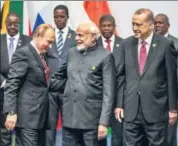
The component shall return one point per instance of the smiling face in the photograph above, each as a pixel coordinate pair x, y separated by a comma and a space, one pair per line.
141, 27
12, 25
161, 25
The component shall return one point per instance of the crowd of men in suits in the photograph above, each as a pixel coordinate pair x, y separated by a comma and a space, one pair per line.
92, 79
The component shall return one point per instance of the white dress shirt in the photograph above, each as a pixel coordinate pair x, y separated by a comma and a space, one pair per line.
112, 38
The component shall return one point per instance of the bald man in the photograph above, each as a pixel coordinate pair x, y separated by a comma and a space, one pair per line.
89, 79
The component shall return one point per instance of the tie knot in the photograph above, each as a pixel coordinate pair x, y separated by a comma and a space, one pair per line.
11, 39
108, 41
60, 32
143, 43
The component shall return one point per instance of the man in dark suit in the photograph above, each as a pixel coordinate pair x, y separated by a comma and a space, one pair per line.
111, 42
146, 70
65, 39
26, 89
10, 41
161, 26
89, 81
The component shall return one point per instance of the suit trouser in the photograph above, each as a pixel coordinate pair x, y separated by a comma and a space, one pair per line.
172, 135
81, 137
117, 136
135, 132
30, 137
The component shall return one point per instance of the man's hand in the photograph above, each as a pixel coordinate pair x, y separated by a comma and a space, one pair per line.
102, 132
11, 121
172, 117
119, 114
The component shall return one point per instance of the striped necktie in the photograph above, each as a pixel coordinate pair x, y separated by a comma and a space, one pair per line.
60, 43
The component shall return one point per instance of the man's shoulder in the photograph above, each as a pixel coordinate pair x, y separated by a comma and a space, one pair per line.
118, 38
26, 37
173, 38
71, 31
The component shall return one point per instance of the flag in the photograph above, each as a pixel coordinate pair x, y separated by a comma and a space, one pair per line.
96, 9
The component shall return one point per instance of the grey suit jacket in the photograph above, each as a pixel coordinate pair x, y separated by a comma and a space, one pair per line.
155, 88
54, 59
90, 87
4, 67
26, 89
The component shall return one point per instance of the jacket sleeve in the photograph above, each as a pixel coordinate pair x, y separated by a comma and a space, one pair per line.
109, 89
58, 79
17, 72
171, 68
120, 75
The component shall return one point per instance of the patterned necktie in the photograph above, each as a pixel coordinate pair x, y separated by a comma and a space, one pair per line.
47, 69
142, 56
11, 48
60, 43
108, 47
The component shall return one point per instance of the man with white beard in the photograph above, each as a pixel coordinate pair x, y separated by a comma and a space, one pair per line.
89, 82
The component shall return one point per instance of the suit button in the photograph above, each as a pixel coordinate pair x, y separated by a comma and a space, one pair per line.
75, 90
75, 101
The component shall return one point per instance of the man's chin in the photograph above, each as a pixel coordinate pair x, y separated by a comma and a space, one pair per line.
81, 47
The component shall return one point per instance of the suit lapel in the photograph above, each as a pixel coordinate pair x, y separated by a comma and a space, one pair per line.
37, 57
135, 54
5, 49
68, 39
116, 44
20, 41
152, 52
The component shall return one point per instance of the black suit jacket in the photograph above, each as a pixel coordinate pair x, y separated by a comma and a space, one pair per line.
26, 89
155, 88
174, 39
116, 43
90, 88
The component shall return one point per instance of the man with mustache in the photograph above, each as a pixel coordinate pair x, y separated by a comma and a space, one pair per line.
161, 26
10, 41
147, 83
88, 79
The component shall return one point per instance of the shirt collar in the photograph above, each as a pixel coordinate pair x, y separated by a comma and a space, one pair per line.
64, 30
166, 35
34, 46
111, 38
16, 37
148, 39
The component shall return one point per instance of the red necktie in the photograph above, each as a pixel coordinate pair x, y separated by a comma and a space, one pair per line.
142, 56
47, 69
108, 47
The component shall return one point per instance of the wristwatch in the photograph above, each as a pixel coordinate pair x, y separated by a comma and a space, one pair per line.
11, 113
